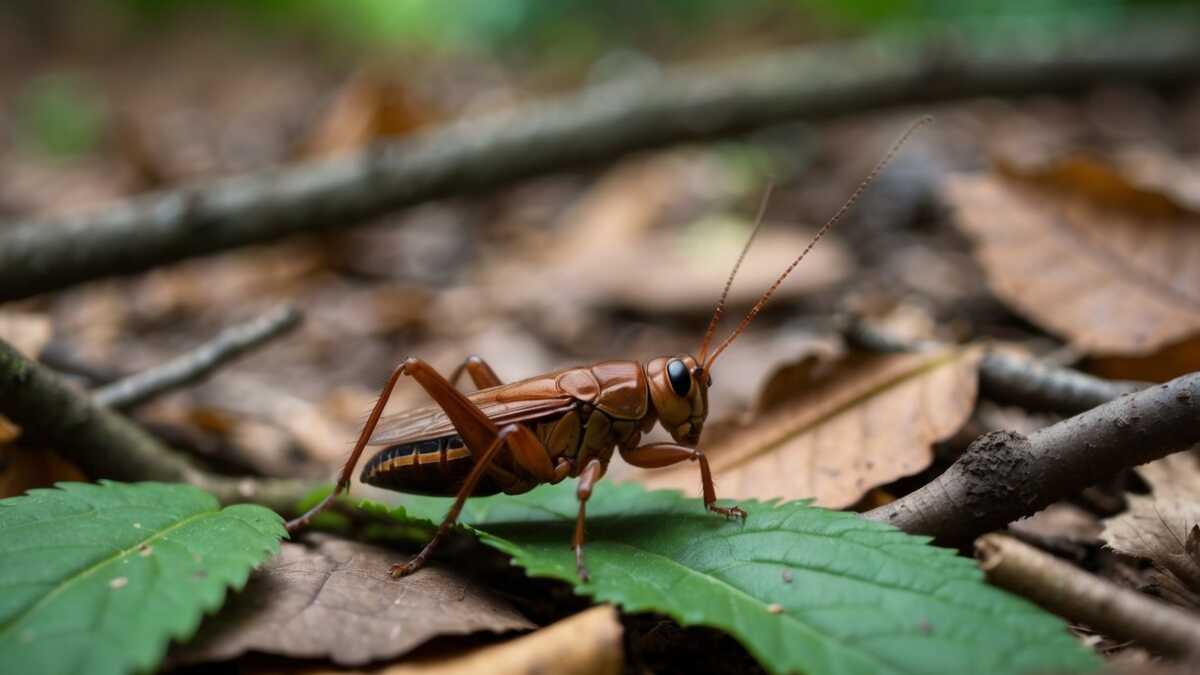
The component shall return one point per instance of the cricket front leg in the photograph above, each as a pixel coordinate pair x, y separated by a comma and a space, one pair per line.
657, 455
592, 473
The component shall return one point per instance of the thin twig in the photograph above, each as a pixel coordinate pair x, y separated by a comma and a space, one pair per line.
1030, 383
1084, 598
1004, 475
1035, 385
195, 365
106, 444
598, 124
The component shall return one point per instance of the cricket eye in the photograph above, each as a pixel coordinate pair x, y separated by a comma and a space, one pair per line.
680, 378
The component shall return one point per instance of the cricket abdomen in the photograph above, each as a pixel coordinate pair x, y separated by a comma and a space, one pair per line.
436, 467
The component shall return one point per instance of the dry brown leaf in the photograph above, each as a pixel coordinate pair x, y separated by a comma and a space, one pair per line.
1167, 363
1164, 526
368, 107
27, 332
23, 469
338, 601
1062, 520
1112, 281
615, 253
856, 424
240, 396
1107, 184
588, 643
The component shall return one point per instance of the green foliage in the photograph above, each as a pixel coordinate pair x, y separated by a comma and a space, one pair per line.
59, 113
98, 578
849, 595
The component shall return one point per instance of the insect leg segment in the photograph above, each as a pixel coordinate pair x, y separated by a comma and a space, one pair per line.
656, 455
476, 429
591, 474
481, 373
343, 482
505, 435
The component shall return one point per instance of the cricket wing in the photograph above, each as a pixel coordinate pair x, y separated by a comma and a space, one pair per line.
517, 402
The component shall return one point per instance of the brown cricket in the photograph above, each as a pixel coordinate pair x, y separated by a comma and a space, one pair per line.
512, 437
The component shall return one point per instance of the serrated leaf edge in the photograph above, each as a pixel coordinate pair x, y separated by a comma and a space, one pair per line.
185, 632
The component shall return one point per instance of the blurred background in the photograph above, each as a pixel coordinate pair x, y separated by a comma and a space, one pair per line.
102, 101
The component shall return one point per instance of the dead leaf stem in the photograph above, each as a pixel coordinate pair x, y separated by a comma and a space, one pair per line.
1004, 475
597, 124
1035, 385
193, 366
1078, 596
1030, 383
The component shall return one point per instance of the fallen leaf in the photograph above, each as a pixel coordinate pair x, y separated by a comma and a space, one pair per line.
1153, 170
588, 643
1062, 520
241, 396
1112, 281
23, 469
619, 227
855, 424
27, 332
1162, 526
1167, 363
339, 601
368, 106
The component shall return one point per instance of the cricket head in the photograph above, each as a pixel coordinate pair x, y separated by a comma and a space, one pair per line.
679, 390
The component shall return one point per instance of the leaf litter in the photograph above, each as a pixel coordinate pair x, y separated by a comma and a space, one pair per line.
1164, 526
1112, 268
336, 600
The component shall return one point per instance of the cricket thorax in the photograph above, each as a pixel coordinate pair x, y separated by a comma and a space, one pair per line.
611, 408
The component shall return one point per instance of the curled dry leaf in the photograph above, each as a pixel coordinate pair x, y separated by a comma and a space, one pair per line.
832, 434
1162, 527
1108, 266
338, 601
588, 643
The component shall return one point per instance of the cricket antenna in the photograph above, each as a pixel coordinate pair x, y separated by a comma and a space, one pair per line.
891, 154
716, 317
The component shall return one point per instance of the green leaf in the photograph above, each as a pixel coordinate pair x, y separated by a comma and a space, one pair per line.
98, 578
849, 595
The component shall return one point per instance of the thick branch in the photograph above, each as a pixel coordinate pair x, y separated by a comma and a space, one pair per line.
598, 124
105, 443
1003, 475
1084, 598
196, 364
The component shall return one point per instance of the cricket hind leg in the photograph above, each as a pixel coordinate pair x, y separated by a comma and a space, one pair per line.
657, 455
476, 429
464, 492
